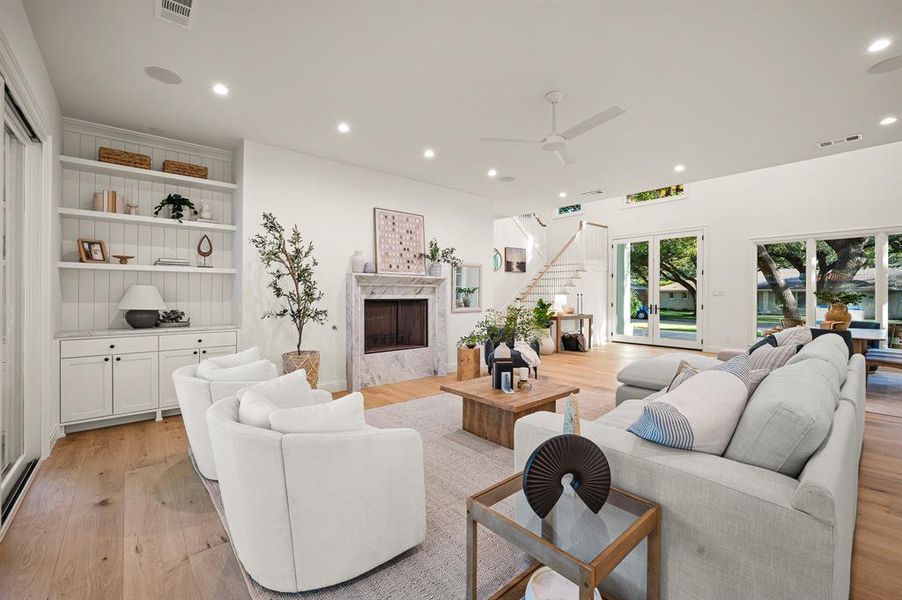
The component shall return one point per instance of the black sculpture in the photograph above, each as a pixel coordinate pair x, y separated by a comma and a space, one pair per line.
559, 456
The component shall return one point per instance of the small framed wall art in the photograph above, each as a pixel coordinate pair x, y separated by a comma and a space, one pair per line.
92, 251
400, 242
515, 260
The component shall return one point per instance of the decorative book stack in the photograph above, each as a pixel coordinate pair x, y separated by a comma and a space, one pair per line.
172, 262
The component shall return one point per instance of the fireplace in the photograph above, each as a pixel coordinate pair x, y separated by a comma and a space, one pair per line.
390, 325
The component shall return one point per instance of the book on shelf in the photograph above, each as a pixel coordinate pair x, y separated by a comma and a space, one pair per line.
171, 262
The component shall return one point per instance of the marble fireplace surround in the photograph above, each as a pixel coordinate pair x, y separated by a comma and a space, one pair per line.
364, 370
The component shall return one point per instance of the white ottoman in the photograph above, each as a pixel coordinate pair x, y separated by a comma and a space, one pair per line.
545, 584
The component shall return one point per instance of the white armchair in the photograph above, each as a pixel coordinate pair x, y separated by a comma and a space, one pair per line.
309, 510
196, 395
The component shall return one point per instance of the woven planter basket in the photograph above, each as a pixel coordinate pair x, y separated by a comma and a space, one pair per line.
182, 168
307, 360
121, 157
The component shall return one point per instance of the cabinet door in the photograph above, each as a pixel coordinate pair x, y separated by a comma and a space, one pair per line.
169, 362
217, 351
135, 382
86, 388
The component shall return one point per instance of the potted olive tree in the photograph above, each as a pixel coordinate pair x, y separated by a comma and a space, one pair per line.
290, 264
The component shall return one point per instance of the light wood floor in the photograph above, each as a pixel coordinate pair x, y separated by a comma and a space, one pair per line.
119, 512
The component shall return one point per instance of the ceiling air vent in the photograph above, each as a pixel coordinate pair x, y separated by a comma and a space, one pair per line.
592, 193
839, 141
176, 11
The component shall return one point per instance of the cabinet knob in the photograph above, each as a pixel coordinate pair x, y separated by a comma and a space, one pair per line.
195, 351
199, 341
203, 351
107, 359
112, 345
118, 358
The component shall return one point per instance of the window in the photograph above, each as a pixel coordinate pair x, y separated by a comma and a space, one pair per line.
673, 191
571, 210
780, 285
894, 288
846, 265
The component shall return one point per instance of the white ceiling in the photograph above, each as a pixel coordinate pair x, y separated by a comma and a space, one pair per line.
721, 87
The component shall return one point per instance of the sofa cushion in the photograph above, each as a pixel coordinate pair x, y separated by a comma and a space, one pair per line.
793, 336
344, 414
657, 372
771, 357
625, 414
260, 370
828, 348
702, 413
250, 355
787, 418
258, 401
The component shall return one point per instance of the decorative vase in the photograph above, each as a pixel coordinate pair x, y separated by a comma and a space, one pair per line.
307, 360
358, 263
466, 300
546, 342
435, 269
369, 268
839, 313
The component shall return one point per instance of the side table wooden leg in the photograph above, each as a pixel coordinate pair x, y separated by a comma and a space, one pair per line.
471, 557
557, 335
653, 559
589, 341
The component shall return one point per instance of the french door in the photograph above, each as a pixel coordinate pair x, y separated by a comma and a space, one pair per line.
656, 289
15, 457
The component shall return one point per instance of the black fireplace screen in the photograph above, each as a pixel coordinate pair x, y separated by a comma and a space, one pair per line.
390, 325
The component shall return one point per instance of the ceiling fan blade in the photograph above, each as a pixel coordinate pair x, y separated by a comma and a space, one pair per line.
514, 140
593, 122
565, 157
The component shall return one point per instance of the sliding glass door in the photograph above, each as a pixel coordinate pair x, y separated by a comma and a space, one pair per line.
656, 284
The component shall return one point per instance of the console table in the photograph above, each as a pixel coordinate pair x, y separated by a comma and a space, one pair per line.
559, 318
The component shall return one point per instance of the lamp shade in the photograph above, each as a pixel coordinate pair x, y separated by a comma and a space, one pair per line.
142, 297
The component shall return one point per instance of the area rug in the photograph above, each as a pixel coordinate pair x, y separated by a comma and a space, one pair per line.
457, 465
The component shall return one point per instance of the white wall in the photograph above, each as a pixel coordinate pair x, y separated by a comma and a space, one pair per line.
506, 286
854, 190
332, 204
23, 70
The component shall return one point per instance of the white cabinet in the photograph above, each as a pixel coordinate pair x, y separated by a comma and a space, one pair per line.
86, 388
135, 382
105, 377
170, 360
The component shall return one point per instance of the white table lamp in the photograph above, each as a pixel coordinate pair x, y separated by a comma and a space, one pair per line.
142, 305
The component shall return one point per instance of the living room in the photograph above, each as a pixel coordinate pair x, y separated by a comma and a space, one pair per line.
419, 299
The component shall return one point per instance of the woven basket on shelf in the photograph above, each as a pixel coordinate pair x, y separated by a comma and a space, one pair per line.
181, 168
121, 157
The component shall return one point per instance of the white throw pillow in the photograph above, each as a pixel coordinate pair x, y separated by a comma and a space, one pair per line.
702, 413
344, 414
288, 391
254, 409
250, 355
260, 370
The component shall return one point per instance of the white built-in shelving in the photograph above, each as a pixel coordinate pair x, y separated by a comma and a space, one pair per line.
103, 168
80, 213
133, 267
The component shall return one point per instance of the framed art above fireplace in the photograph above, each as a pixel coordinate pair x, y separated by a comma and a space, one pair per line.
400, 242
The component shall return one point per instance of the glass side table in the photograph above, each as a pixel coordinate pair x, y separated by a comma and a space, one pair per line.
573, 541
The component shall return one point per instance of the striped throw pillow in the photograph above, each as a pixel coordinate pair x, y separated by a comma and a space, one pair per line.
770, 357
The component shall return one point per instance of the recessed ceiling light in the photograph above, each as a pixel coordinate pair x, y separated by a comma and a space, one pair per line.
679, 168
878, 45
492, 173
888, 120
429, 153
220, 89
562, 195
344, 127
163, 75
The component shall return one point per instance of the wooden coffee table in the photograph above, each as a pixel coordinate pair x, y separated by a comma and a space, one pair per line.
490, 413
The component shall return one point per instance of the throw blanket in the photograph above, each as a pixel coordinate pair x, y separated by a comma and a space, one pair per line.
528, 354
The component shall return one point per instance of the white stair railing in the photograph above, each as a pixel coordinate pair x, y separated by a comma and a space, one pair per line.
561, 274
536, 237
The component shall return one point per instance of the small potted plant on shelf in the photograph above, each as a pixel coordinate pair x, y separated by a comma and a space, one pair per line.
436, 255
541, 317
177, 205
290, 264
838, 315
466, 295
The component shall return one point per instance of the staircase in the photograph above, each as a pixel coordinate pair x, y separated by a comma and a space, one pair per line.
534, 230
562, 273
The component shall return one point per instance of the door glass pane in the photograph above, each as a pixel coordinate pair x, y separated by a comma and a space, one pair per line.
894, 293
678, 288
781, 285
631, 289
847, 266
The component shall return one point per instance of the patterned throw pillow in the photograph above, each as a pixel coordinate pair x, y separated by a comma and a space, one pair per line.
684, 372
770, 357
794, 336
702, 413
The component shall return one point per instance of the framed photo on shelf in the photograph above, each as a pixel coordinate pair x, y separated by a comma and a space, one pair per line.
400, 242
92, 251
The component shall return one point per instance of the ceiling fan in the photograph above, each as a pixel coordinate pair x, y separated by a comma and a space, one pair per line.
555, 141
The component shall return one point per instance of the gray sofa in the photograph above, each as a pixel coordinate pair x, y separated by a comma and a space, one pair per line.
731, 529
